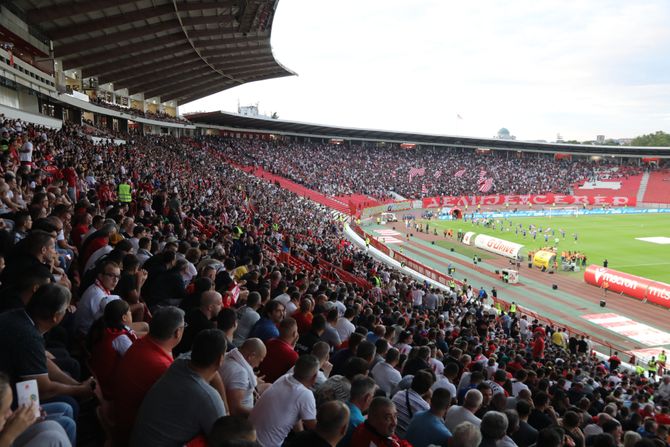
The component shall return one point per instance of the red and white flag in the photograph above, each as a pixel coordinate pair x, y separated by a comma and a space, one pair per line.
414, 172
424, 190
482, 174
437, 174
486, 185
459, 173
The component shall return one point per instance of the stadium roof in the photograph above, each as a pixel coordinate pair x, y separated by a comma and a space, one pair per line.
177, 49
235, 121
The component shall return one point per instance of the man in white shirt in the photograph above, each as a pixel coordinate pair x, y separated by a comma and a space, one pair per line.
412, 401
385, 374
465, 413
445, 380
288, 401
237, 373
344, 326
92, 304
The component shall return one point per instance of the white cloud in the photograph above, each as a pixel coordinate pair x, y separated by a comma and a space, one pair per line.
537, 68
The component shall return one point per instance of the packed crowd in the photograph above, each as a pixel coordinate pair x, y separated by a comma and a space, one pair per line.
378, 171
157, 115
185, 302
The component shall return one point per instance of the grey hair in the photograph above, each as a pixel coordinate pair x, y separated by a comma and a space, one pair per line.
466, 434
494, 425
166, 320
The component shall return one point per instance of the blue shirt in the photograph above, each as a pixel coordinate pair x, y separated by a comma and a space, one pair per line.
425, 429
355, 419
264, 329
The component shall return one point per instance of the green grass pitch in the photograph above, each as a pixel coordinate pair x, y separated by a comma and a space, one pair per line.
599, 237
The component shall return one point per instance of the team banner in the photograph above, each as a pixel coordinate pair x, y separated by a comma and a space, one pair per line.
498, 246
529, 199
544, 259
631, 285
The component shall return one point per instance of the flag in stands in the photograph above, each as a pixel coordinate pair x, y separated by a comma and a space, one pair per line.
486, 185
482, 174
437, 174
424, 190
414, 172
459, 173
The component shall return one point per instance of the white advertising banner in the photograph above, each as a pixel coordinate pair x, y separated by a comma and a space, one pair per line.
467, 237
498, 246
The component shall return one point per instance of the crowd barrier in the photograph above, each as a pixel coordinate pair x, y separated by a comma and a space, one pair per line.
530, 199
627, 284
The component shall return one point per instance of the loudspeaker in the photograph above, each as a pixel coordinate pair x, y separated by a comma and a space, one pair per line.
551, 272
479, 259
432, 243
530, 265
393, 228
603, 303
497, 272
451, 249
554, 286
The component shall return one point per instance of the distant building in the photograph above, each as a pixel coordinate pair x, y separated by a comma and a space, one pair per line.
503, 134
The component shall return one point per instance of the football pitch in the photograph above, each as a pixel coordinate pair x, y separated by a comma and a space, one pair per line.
616, 238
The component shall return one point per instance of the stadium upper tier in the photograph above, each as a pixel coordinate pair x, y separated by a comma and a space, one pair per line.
338, 170
173, 50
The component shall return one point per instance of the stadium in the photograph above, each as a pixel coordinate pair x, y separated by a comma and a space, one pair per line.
230, 279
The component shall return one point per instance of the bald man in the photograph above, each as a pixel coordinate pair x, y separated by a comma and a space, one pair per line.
200, 318
237, 373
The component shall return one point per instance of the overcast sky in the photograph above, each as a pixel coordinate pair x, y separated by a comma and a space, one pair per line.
538, 68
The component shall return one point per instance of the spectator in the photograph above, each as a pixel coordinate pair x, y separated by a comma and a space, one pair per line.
427, 427
19, 428
380, 426
229, 429
465, 413
266, 327
331, 424
466, 434
412, 401
238, 375
385, 373
142, 365
247, 318
281, 355
361, 395
182, 403
493, 428
288, 401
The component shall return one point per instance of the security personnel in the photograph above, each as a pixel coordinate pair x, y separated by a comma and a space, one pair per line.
512, 308
367, 242
379, 221
400, 250
452, 284
661, 362
639, 369
125, 195
652, 367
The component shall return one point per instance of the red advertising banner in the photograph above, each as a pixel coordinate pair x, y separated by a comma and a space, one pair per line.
535, 199
631, 285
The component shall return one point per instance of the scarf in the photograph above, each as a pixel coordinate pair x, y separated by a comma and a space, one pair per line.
236, 356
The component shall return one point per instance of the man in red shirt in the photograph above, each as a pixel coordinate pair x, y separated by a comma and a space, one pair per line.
142, 365
538, 346
281, 355
379, 428
304, 316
